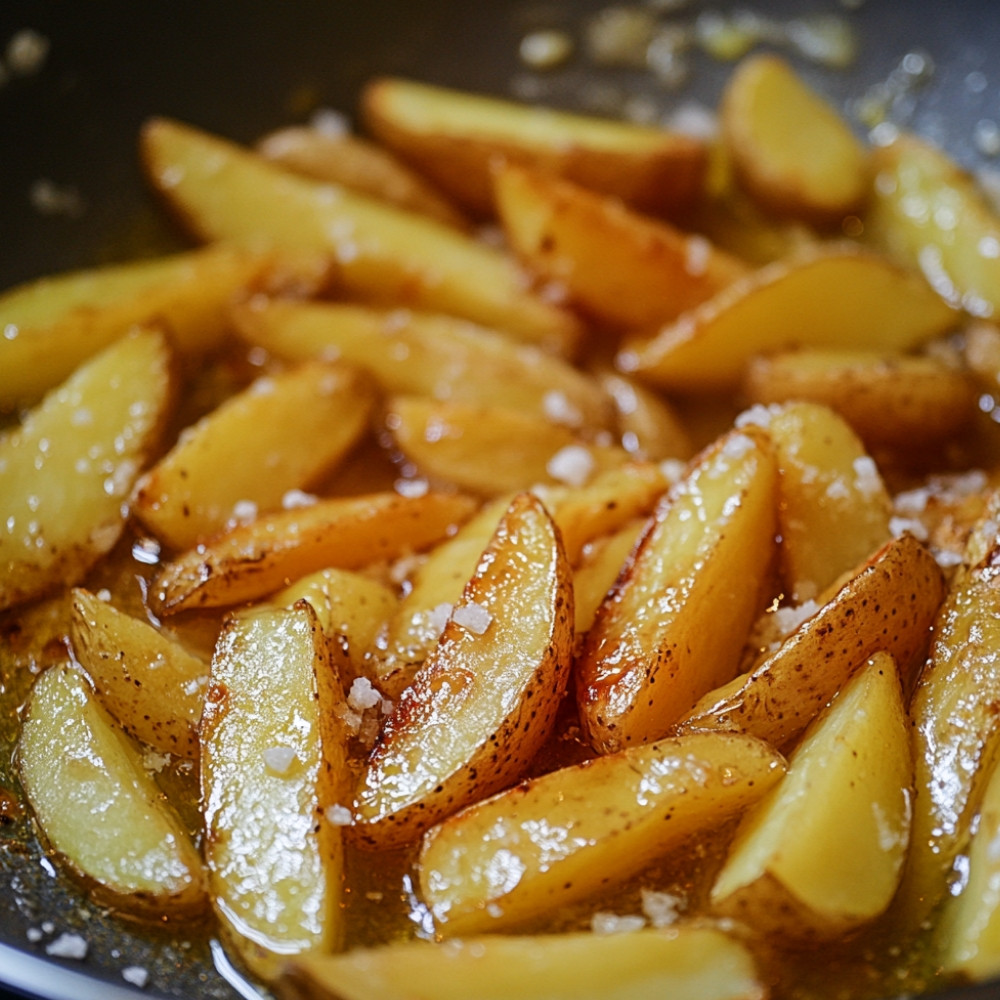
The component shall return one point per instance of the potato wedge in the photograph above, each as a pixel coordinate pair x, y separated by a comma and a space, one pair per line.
659, 640
684, 963
649, 427
571, 833
98, 807
596, 575
797, 302
455, 139
889, 604
151, 684
68, 469
486, 699
253, 560
273, 761
224, 192
791, 151
823, 853
621, 268
284, 432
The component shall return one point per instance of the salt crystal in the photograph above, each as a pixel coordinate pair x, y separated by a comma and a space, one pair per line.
438, 617
294, 499
473, 617
136, 975
363, 694
572, 465
339, 815
67, 946
661, 908
611, 923
278, 759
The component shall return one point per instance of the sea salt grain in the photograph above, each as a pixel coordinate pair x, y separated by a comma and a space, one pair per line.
572, 465
473, 617
363, 695
67, 946
339, 815
136, 975
278, 759
611, 923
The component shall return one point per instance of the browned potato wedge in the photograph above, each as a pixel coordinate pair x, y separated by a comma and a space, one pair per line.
683, 963
253, 560
359, 165
224, 192
282, 433
150, 683
793, 303
486, 699
790, 149
622, 268
501, 861
648, 425
660, 639
930, 213
98, 807
889, 604
823, 853
68, 469
456, 138
273, 766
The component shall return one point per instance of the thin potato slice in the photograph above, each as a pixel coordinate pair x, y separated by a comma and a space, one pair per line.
486, 699
69, 467
799, 302
679, 614
281, 433
456, 139
622, 268
683, 963
823, 853
98, 807
253, 560
151, 684
224, 192
570, 833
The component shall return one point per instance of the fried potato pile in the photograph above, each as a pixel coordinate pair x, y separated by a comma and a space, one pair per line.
603, 611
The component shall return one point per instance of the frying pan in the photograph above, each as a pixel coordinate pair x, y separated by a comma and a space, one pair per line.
241, 69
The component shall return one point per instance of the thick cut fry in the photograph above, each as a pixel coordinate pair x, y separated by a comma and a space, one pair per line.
822, 854
253, 560
283, 433
98, 807
457, 138
273, 761
790, 149
620, 267
798, 302
224, 192
151, 684
683, 963
67, 470
679, 614
571, 833
889, 604
486, 699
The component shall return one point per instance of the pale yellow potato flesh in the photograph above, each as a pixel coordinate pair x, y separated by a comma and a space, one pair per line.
796, 302
660, 640
98, 807
68, 468
485, 701
823, 852
273, 761
282, 433
594, 578
456, 139
224, 192
683, 963
649, 427
149, 682
570, 833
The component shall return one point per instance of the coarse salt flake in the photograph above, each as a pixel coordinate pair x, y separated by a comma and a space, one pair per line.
473, 617
136, 975
560, 410
661, 908
611, 923
294, 499
278, 759
363, 694
67, 946
339, 815
572, 465
412, 488
438, 617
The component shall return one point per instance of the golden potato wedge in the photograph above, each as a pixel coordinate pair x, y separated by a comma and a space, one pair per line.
797, 302
649, 427
360, 165
150, 683
456, 138
930, 213
224, 192
98, 807
822, 854
683, 963
253, 560
889, 604
622, 268
282, 433
273, 764
570, 833
486, 699
68, 469
660, 639
594, 578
